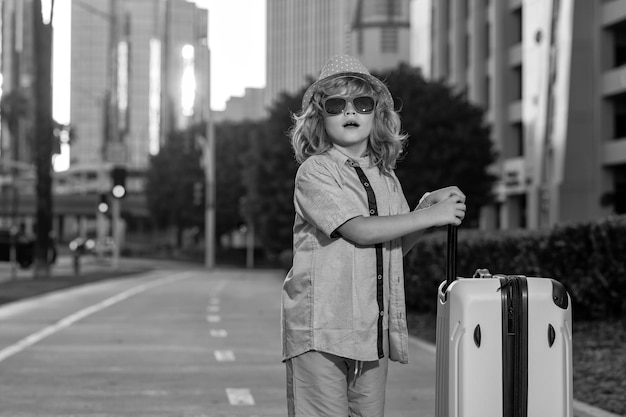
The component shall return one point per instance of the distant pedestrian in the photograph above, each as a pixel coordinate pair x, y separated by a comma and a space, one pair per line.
343, 307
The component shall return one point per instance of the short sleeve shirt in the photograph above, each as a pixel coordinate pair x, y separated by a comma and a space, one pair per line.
329, 296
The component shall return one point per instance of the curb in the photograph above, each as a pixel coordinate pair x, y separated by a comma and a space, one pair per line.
581, 409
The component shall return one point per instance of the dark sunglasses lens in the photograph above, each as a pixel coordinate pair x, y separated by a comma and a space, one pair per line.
363, 104
334, 105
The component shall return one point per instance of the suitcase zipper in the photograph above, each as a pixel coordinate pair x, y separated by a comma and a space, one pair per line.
514, 292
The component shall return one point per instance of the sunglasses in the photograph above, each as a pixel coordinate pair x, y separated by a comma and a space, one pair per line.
335, 105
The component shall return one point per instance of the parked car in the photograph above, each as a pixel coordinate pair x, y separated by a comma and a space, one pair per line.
92, 246
23, 243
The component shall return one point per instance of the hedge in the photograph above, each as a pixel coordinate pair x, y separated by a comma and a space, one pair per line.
589, 259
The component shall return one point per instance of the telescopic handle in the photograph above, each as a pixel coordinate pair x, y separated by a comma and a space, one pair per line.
451, 261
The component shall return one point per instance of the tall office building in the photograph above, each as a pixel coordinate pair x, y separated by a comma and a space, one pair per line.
550, 74
302, 35
140, 69
17, 77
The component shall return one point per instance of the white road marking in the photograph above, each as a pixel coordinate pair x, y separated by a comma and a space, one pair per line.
224, 355
213, 309
79, 315
239, 396
214, 301
211, 318
218, 333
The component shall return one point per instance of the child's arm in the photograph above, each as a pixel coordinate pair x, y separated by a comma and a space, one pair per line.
377, 229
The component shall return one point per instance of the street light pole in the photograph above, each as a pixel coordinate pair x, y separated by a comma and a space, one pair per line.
209, 209
116, 226
209, 173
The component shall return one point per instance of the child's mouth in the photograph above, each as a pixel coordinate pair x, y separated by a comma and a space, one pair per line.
351, 125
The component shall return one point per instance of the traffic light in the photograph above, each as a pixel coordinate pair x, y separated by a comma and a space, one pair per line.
118, 175
103, 204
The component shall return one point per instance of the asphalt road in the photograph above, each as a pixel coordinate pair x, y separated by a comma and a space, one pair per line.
174, 342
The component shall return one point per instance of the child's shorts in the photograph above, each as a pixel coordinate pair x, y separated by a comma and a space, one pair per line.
324, 385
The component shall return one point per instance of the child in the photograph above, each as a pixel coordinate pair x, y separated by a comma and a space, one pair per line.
343, 309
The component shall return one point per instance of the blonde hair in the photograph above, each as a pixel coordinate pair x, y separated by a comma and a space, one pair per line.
386, 141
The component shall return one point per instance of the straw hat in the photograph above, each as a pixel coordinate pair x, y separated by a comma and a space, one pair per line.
346, 66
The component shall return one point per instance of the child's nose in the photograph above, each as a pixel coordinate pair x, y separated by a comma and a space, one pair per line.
349, 108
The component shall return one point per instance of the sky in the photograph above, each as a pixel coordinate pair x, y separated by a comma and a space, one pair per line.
236, 41
237, 44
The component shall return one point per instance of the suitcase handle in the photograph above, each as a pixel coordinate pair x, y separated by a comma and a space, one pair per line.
451, 256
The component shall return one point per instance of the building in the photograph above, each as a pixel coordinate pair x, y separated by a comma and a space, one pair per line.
139, 70
17, 171
250, 106
302, 35
550, 74
17, 69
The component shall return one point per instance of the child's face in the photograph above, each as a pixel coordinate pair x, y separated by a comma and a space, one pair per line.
350, 129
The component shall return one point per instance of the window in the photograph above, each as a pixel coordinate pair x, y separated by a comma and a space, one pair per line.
619, 116
517, 26
385, 8
487, 92
619, 180
359, 42
619, 44
389, 40
517, 142
487, 40
517, 83
467, 50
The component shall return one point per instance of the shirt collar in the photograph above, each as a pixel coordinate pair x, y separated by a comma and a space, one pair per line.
343, 159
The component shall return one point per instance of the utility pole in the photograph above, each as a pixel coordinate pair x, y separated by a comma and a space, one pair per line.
209, 210
42, 34
209, 175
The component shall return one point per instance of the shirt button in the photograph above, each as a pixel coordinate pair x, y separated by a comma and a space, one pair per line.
367, 184
372, 211
380, 277
382, 313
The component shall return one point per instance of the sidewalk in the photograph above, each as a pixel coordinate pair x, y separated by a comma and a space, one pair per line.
64, 267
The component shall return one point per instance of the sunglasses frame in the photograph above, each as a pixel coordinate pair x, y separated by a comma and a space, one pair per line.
347, 99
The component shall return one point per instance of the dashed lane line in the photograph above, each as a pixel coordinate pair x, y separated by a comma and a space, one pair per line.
213, 318
218, 333
236, 396
239, 396
81, 314
224, 355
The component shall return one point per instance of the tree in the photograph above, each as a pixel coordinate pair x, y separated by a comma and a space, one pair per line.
231, 143
171, 179
269, 176
449, 141
449, 144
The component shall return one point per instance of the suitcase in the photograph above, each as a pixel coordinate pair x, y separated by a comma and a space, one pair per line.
504, 345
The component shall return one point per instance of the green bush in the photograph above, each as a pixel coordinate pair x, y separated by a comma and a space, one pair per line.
588, 259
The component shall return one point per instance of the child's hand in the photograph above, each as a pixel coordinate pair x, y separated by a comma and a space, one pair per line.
447, 205
441, 194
